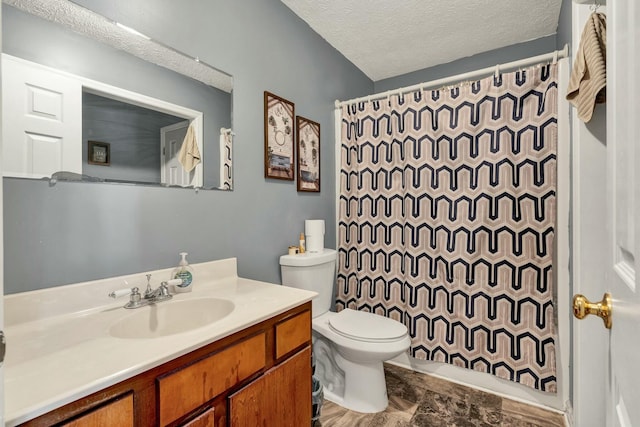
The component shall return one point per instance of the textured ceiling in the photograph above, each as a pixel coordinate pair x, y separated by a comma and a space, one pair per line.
388, 38
97, 27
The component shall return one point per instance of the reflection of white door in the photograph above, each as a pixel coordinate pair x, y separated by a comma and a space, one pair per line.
42, 120
620, 390
171, 138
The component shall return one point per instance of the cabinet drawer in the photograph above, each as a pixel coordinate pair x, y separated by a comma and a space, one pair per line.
292, 333
117, 413
185, 390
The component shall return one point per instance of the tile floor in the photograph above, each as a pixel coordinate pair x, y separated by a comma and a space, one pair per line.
421, 400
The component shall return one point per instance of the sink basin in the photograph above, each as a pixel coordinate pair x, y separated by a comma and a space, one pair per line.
171, 317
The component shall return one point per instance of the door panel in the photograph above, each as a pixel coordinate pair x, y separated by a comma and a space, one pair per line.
171, 138
623, 135
616, 392
42, 121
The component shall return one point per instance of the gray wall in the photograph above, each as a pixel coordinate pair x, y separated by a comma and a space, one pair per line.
563, 36
73, 232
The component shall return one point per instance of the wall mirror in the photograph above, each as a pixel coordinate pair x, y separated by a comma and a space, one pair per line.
129, 104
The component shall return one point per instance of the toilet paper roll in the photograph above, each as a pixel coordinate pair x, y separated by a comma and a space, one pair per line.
314, 232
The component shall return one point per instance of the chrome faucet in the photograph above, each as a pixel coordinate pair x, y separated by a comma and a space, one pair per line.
150, 295
160, 294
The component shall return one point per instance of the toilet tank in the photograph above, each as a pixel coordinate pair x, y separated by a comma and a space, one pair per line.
314, 272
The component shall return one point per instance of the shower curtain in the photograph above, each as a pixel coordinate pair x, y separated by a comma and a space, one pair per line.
446, 221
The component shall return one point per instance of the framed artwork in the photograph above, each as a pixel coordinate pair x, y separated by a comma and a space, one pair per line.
279, 151
308, 150
99, 153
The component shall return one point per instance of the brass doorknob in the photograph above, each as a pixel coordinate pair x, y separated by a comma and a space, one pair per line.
582, 307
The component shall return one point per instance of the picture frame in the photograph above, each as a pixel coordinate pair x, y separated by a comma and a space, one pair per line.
279, 129
308, 154
99, 153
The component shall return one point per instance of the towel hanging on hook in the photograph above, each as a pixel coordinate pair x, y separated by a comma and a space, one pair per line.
588, 82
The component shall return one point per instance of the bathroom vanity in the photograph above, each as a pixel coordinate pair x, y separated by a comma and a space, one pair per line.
71, 362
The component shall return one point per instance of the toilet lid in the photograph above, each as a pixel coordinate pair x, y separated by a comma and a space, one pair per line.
364, 326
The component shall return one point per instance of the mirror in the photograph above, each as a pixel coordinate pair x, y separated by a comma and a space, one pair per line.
132, 152
119, 80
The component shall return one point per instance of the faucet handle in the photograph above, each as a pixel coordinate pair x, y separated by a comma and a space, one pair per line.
173, 282
122, 292
135, 300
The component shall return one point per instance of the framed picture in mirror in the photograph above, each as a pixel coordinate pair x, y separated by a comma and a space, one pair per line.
99, 153
308, 150
279, 151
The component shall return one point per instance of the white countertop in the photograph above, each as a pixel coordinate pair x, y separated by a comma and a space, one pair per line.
58, 343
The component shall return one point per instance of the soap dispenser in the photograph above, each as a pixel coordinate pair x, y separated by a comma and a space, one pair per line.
184, 272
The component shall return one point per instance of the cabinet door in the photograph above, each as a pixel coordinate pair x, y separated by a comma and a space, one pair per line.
117, 413
206, 419
281, 397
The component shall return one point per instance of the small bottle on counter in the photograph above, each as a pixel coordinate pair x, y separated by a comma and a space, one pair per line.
184, 272
301, 248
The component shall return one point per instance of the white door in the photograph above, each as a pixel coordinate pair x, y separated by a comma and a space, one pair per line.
620, 390
171, 138
623, 154
42, 120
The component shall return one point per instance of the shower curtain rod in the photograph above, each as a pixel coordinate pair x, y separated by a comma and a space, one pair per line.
555, 55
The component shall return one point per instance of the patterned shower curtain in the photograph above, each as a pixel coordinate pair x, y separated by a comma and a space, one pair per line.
446, 221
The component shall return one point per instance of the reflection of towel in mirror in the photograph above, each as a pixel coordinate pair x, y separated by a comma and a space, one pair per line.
189, 155
588, 83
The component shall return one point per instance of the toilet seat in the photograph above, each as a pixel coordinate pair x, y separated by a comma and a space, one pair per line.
364, 326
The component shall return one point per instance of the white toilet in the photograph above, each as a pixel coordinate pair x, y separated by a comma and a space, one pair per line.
350, 346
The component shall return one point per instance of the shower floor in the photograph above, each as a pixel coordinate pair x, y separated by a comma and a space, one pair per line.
421, 400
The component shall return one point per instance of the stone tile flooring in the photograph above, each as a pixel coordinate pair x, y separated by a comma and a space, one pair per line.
421, 400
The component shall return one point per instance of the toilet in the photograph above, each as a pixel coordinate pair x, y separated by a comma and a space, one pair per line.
350, 346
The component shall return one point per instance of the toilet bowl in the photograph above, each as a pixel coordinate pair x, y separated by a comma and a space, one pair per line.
349, 346
359, 383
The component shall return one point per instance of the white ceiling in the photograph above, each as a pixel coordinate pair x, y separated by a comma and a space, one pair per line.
388, 38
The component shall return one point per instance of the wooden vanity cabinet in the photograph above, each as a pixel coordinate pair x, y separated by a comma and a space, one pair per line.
260, 373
